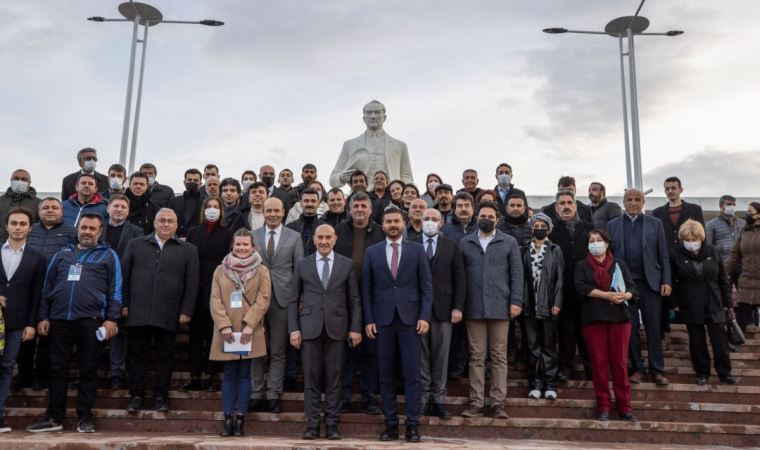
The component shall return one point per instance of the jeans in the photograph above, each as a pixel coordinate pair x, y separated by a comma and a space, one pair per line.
236, 386
12, 345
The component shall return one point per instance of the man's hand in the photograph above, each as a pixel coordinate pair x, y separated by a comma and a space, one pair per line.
295, 339
247, 335
371, 330
515, 310
355, 338
665, 290
227, 335
184, 319
456, 316
43, 328
111, 329
555, 311
422, 327
124, 312
28, 334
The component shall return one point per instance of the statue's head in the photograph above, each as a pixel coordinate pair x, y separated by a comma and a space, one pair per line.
374, 115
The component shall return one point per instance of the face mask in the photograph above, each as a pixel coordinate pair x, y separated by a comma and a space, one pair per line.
269, 181
748, 217
729, 211
540, 233
503, 179
246, 184
486, 225
19, 187
115, 183
151, 181
432, 185
430, 228
211, 214
597, 248
692, 246
191, 188
89, 165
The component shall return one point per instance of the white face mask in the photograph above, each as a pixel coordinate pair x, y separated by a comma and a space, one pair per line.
430, 228
246, 184
19, 187
115, 183
503, 179
432, 185
151, 181
89, 165
729, 210
211, 214
597, 248
692, 246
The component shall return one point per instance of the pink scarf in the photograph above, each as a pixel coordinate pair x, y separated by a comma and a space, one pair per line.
240, 270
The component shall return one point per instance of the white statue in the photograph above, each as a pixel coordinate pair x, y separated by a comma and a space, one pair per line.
373, 151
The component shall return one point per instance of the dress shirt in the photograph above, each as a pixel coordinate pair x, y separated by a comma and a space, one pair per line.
277, 234
389, 251
425, 241
160, 242
11, 259
320, 263
484, 241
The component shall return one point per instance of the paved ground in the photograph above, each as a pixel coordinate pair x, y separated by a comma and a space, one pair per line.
157, 441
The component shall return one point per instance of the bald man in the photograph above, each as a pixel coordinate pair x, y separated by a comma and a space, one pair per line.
325, 312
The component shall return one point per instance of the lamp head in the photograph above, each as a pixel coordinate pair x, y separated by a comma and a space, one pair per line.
211, 23
96, 19
555, 30
674, 33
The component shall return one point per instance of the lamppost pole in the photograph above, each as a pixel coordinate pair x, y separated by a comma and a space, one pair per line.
128, 103
139, 100
628, 174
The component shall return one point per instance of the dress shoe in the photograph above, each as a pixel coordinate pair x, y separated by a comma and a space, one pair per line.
603, 416
135, 404
472, 412
115, 383
729, 379
227, 431
636, 378
310, 434
700, 380
257, 405
194, 384
274, 406
628, 417
411, 434
439, 410
240, 425
370, 407
332, 433
498, 412
660, 380
389, 434
160, 404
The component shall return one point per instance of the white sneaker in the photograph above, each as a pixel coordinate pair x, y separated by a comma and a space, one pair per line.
550, 395
534, 394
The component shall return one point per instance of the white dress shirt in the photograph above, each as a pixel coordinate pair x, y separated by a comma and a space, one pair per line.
425, 242
321, 264
160, 242
389, 251
277, 234
485, 240
11, 259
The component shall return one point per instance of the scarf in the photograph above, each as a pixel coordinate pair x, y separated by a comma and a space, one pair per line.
601, 270
519, 220
240, 270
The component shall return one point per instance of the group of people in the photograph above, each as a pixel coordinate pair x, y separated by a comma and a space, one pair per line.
387, 280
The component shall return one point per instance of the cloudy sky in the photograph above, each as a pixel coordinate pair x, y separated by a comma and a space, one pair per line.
466, 84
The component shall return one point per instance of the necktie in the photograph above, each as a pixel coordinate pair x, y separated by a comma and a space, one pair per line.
270, 246
394, 259
429, 249
325, 272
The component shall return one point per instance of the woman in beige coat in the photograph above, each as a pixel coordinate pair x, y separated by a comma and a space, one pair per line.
745, 256
240, 294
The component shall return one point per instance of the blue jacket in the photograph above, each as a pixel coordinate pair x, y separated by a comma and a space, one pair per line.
96, 294
73, 209
49, 241
656, 257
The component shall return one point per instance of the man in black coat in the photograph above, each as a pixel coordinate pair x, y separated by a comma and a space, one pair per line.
308, 221
87, 159
325, 313
160, 289
142, 210
568, 184
22, 274
187, 206
160, 194
449, 290
571, 234
505, 189
266, 175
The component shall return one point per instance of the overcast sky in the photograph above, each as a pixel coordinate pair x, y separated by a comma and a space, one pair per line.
466, 84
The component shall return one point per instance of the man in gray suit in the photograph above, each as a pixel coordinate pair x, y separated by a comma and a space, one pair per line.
324, 313
281, 249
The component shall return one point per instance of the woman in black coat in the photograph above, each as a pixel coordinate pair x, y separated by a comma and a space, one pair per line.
702, 293
212, 238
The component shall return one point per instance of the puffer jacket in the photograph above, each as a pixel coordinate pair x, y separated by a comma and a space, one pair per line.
722, 235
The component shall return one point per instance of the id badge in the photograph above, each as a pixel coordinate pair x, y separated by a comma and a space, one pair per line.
236, 299
75, 272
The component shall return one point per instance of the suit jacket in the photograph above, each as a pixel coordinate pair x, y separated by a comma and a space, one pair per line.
397, 164
336, 308
287, 253
23, 291
410, 293
688, 211
656, 259
129, 231
449, 277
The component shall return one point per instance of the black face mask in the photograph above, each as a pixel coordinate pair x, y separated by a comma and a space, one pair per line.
269, 181
191, 188
540, 233
749, 218
486, 225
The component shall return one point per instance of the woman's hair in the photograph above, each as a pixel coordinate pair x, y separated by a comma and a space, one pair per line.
323, 194
485, 192
602, 234
427, 180
244, 232
691, 230
221, 209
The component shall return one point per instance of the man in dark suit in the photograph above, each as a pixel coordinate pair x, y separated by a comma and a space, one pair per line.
640, 241
22, 274
397, 304
266, 175
566, 183
449, 290
87, 159
324, 313
505, 189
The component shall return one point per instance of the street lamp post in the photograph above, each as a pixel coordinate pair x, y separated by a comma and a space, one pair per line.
147, 16
628, 27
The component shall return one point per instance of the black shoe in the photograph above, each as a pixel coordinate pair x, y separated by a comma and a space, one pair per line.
390, 433
332, 433
274, 406
115, 383
240, 425
439, 410
603, 416
411, 434
257, 405
345, 406
45, 426
310, 434
700, 380
729, 379
160, 404
194, 384
628, 417
370, 407
135, 404
227, 431
289, 385
85, 425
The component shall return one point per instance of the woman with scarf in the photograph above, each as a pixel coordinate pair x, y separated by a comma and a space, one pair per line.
240, 295
702, 293
605, 322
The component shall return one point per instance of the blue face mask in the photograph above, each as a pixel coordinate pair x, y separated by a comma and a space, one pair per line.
597, 248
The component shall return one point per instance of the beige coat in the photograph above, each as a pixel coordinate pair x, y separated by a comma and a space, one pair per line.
257, 294
746, 255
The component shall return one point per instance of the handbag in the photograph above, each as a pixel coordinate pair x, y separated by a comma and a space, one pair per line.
733, 331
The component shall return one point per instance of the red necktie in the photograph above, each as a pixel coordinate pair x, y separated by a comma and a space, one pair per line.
394, 259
